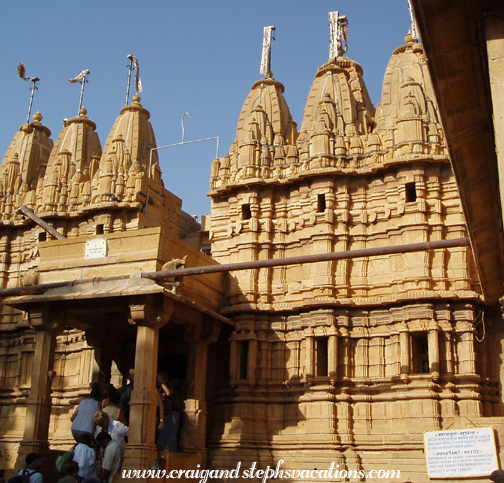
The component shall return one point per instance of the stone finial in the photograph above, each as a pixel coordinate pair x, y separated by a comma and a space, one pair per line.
37, 117
83, 111
409, 38
136, 98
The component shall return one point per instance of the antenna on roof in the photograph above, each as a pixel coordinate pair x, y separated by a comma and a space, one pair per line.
266, 51
133, 65
81, 78
414, 27
21, 70
338, 32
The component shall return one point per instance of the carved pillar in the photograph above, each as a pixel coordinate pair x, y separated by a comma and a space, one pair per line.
310, 372
252, 361
433, 344
193, 435
333, 358
38, 403
233, 360
404, 343
148, 313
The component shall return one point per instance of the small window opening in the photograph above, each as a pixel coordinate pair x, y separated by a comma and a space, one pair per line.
244, 346
99, 229
42, 236
246, 213
420, 353
321, 349
321, 203
410, 192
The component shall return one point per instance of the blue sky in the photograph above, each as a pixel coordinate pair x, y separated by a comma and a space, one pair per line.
200, 57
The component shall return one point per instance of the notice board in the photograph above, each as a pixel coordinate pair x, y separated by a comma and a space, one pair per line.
460, 453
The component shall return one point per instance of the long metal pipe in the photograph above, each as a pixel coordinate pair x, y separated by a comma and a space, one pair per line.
39, 221
228, 267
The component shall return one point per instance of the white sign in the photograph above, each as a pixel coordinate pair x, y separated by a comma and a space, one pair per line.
96, 248
460, 453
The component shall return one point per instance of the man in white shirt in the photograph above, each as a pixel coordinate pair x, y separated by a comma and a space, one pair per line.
112, 460
85, 457
116, 429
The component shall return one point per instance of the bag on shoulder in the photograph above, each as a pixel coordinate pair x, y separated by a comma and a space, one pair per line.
24, 477
64, 459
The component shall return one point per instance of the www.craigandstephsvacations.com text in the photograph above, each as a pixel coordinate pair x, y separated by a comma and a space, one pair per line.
253, 472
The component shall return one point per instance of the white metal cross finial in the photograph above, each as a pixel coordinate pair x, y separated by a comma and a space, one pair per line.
338, 28
266, 51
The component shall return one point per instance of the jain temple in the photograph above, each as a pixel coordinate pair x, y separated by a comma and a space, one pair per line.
341, 299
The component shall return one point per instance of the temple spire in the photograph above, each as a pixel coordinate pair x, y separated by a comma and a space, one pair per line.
266, 51
338, 28
81, 78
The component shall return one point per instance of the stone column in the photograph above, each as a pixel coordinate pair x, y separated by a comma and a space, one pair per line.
148, 313
433, 344
252, 361
333, 358
38, 403
193, 436
233, 360
404, 343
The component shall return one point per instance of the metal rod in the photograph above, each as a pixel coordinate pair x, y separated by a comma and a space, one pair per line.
130, 68
319, 257
182, 122
33, 88
82, 92
39, 221
275, 262
170, 146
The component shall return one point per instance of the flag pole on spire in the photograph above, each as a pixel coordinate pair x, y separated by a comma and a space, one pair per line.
130, 68
266, 51
338, 33
21, 70
414, 28
81, 78
133, 65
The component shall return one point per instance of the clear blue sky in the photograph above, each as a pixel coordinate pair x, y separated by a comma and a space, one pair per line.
200, 57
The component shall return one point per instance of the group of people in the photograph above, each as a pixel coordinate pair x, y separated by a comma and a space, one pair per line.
100, 427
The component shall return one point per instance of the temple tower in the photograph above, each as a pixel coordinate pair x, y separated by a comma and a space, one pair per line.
338, 357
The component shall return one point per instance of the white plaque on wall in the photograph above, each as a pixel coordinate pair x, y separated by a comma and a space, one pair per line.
96, 248
460, 453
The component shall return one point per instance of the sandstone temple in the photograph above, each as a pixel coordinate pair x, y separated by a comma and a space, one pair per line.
347, 360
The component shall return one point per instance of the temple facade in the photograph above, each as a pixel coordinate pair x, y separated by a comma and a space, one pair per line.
347, 361
350, 360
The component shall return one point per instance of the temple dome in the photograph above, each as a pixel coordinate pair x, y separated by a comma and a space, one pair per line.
126, 158
264, 133
32, 147
134, 131
70, 165
266, 106
338, 104
408, 107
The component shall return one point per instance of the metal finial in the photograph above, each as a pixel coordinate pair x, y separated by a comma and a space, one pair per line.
21, 70
266, 51
414, 28
338, 28
81, 78
182, 123
133, 65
